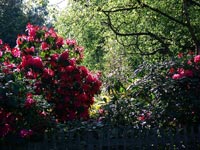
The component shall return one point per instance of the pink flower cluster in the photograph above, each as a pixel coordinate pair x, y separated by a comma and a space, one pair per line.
6, 119
182, 73
13, 121
190, 70
24, 133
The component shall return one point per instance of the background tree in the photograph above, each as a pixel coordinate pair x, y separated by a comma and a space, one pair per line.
12, 20
84, 24
37, 11
15, 14
150, 26
84, 21
152, 32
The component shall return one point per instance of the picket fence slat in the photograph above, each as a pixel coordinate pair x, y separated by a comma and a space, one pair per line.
121, 138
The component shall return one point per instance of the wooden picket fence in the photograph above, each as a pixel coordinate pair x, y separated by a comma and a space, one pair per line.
116, 138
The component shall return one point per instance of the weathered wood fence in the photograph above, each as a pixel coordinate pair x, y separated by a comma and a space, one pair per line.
116, 138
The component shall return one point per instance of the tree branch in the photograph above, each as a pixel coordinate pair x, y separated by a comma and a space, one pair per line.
148, 33
120, 9
162, 13
189, 26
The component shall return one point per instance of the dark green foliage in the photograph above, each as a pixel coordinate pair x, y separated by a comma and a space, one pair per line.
15, 14
12, 20
153, 98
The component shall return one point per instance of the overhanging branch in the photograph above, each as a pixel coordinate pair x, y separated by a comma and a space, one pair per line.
162, 13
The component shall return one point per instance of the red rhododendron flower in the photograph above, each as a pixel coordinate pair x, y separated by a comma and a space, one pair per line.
189, 62
4, 130
89, 78
16, 52
71, 115
180, 71
70, 68
176, 76
44, 46
24, 133
1, 53
86, 87
197, 59
7, 48
84, 71
43, 114
172, 70
19, 40
59, 42
30, 38
1, 42
24, 62
141, 118
8, 67
188, 73
32, 62
47, 73
180, 55
71, 42
190, 52
72, 61
80, 49
54, 57
37, 87
31, 30
52, 33
30, 102
37, 63
31, 74
64, 56
83, 97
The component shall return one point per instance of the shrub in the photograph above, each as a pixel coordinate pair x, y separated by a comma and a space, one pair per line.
159, 94
53, 68
41, 79
20, 115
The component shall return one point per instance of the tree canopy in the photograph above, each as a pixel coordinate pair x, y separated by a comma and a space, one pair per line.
136, 27
15, 14
150, 26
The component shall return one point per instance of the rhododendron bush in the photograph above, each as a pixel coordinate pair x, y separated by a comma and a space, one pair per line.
20, 115
162, 94
53, 66
49, 67
185, 76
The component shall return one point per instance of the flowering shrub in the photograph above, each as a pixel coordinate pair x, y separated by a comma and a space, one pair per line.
19, 112
53, 68
42, 76
169, 90
185, 76
159, 94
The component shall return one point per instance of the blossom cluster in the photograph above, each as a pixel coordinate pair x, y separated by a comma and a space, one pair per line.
183, 88
54, 65
189, 67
